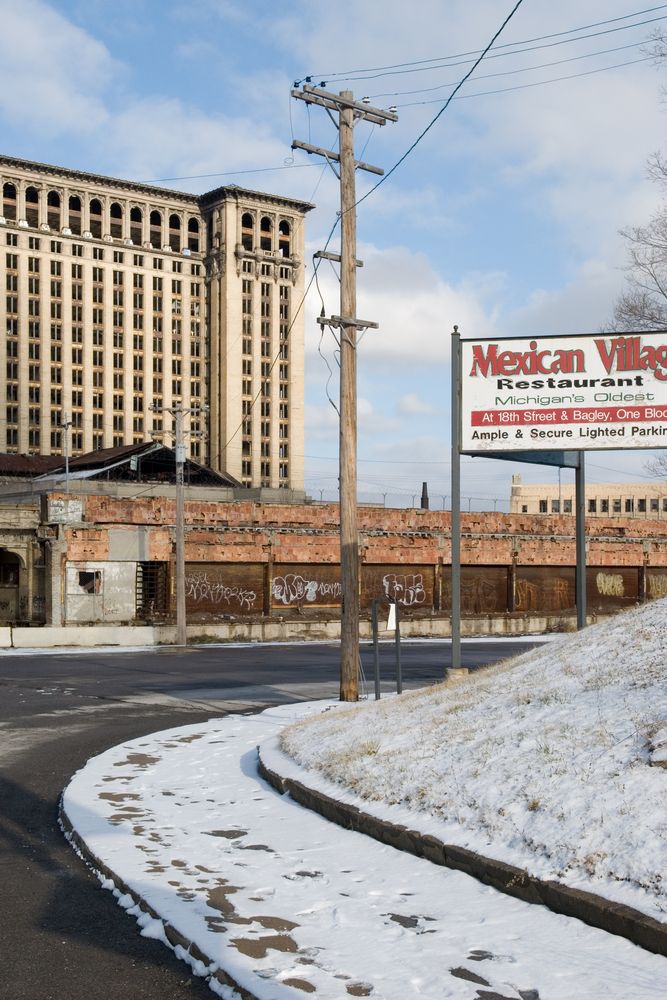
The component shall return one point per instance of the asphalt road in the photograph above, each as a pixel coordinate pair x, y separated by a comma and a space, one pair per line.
61, 938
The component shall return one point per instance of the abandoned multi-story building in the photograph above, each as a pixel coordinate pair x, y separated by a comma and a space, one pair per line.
123, 301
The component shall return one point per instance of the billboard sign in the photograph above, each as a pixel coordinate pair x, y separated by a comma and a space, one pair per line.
573, 393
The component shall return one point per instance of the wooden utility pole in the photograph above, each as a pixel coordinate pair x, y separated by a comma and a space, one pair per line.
181, 620
349, 111
178, 413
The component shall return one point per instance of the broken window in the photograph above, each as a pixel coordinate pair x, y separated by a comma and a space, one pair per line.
116, 220
96, 218
284, 242
53, 209
75, 214
175, 232
136, 224
265, 231
9, 202
9, 569
90, 581
156, 229
247, 234
32, 207
193, 235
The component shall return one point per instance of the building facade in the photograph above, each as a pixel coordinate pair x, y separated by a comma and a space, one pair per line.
122, 301
108, 558
644, 500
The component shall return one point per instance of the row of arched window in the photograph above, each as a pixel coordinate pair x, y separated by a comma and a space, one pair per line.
162, 229
264, 239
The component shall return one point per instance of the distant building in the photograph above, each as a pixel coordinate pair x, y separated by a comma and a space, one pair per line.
121, 299
646, 500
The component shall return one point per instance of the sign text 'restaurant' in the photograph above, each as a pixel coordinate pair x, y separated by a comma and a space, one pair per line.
566, 393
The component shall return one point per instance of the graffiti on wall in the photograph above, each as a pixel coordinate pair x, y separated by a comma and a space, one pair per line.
406, 589
295, 589
479, 596
610, 584
657, 584
544, 590
200, 590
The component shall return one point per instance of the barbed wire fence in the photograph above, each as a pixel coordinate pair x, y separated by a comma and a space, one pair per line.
407, 500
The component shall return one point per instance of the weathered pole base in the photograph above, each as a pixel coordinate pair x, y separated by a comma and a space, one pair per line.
455, 675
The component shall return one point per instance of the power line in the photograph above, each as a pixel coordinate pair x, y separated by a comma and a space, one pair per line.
526, 86
350, 74
378, 461
444, 107
230, 173
516, 52
513, 72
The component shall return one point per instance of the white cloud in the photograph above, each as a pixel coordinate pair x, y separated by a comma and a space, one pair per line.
584, 305
140, 140
51, 72
411, 403
414, 307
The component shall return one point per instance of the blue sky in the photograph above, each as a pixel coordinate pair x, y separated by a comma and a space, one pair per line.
503, 220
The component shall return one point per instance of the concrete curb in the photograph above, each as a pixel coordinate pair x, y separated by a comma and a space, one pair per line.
174, 937
616, 918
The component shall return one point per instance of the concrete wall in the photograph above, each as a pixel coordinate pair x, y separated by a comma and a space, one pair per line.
436, 627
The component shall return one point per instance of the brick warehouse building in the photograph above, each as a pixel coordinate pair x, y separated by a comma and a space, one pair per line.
121, 297
106, 556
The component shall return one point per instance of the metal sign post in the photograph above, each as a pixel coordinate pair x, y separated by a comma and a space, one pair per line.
456, 501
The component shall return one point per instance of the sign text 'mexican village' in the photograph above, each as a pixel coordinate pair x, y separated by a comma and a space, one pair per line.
574, 392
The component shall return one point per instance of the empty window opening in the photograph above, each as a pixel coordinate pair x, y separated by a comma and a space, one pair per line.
75, 214
247, 232
9, 569
174, 232
53, 209
156, 229
284, 242
136, 225
265, 231
9, 202
96, 218
32, 207
116, 220
193, 235
90, 581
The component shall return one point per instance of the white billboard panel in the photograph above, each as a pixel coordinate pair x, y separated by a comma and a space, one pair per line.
574, 393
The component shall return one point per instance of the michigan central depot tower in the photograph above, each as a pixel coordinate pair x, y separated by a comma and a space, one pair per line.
123, 300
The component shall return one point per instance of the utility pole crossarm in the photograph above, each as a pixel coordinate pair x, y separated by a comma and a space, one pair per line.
328, 154
336, 257
338, 321
335, 102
